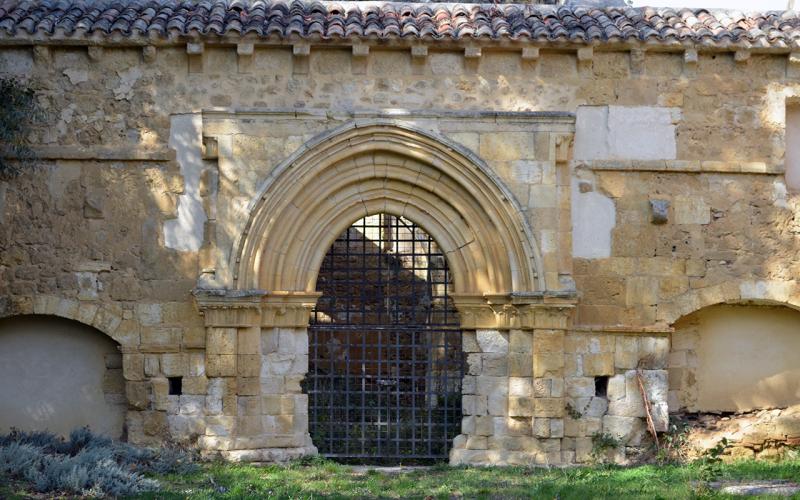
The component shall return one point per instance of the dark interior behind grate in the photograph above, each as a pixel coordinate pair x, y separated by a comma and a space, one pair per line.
386, 362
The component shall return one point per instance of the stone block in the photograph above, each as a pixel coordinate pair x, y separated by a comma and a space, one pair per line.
520, 386
556, 428
196, 364
469, 384
138, 394
557, 387
583, 449
595, 365
194, 385
192, 404
469, 342
221, 365
468, 424
248, 365
549, 363
495, 364
484, 426
519, 364
548, 341
579, 387
507, 146
148, 314
221, 341
474, 405
133, 366
497, 404
541, 427
492, 341
520, 407
628, 430
520, 341
248, 341
548, 407
174, 365
519, 426
542, 387
691, 210
654, 352
474, 364
477, 443
152, 367
626, 353
248, 386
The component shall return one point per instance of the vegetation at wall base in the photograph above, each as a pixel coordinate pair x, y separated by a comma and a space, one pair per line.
86, 464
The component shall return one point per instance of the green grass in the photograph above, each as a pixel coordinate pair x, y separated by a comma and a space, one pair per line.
323, 479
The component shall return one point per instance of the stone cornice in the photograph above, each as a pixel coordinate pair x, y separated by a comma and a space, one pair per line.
248, 308
514, 311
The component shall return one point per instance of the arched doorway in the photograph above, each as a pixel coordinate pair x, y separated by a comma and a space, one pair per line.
385, 356
57, 375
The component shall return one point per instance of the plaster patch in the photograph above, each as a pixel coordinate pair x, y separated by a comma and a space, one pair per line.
625, 133
185, 233
127, 79
77, 75
593, 218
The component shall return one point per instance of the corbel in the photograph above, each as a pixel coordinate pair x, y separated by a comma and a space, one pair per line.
472, 52
195, 52
793, 64
95, 52
210, 148
300, 54
419, 56
472, 58
637, 61
149, 53
585, 57
41, 54
244, 56
530, 57
741, 56
359, 61
690, 59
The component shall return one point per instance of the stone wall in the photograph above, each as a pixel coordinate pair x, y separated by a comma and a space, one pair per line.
152, 163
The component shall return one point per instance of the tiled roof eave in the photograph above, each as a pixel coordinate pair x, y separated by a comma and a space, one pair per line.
270, 22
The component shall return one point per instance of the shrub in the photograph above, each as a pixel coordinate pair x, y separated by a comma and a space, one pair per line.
18, 111
85, 464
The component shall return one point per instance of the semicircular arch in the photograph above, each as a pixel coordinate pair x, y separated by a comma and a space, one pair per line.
364, 168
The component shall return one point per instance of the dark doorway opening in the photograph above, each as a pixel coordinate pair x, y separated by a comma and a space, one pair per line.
385, 356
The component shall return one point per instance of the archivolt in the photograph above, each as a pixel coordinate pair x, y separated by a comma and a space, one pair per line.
364, 168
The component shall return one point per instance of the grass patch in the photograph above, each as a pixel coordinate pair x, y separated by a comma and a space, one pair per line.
323, 479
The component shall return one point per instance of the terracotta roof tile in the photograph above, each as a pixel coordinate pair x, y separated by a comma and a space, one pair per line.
20, 19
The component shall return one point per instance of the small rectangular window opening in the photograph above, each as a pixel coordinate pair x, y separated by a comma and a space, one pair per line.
175, 385
601, 386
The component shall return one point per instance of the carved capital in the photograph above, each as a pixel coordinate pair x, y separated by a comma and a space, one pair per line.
229, 308
288, 309
512, 311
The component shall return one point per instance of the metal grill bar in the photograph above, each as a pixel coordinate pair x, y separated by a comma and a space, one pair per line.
384, 381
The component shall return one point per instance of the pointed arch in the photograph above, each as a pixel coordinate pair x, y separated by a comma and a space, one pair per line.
366, 167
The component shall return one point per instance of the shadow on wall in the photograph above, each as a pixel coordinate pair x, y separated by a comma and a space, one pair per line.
375, 275
57, 375
735, 358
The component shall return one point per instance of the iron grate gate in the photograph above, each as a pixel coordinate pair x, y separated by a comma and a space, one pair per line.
385, 357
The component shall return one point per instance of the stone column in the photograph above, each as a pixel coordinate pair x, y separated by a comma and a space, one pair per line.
232, 368
284, 364
513, 389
